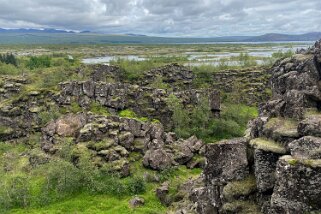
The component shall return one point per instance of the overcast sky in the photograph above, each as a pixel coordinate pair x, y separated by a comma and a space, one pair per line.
197, 18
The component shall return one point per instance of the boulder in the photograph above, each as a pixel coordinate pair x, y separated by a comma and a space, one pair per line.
264, 166
126, 139
297, 187
194, 144
310, 126
307, 147
181, 152
157, 159
226, 161
67, 126
162, 194
136, 202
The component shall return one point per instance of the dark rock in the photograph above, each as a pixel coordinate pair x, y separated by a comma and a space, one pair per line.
298, 186
307, 147
157, 159
181, 152
265, 165
194, 144
126, 139
162, 194
136, 202
226, 161
310, 126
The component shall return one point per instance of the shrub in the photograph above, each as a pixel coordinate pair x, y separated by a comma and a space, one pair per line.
223, 129
8, 69
158, 83
47, 116
180, 116
280, 54
62, 178
8, 58
15, 192
246, 60
136, 185
39, 62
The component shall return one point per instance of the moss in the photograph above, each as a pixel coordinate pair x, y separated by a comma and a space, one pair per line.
5, 130
312, 112
97, 108
131, 114
283, 126
127, 113
293, 162
155, 121
312, 163
241, 207
75, 108
102, 145
267, 145
235, 189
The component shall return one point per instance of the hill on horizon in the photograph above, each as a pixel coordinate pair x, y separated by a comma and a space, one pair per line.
55, 36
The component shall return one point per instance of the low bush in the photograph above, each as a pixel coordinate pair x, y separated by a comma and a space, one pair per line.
199, 122
39, 62
9, 58
8, 69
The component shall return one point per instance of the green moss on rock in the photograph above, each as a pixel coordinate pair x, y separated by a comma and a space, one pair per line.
236, 189
241, 207
267, 145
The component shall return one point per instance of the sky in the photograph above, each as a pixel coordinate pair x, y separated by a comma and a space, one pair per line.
173, 18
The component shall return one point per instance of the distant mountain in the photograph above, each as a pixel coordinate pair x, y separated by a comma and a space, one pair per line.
132, 34
54, 36
32, 30
275, 37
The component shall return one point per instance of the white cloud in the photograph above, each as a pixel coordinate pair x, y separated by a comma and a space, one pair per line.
166, 17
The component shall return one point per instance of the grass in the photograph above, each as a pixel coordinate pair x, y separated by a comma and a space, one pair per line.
267, 145
235, 189
81, 200
85, 203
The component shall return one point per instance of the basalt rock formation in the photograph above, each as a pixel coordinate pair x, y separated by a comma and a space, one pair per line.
251, 83
110, 140
276, 168
144, 101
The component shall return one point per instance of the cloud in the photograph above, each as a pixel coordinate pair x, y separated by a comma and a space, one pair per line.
201, 18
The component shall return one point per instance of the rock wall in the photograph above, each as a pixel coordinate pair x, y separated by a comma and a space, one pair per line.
145, 101
281, 152
249, 84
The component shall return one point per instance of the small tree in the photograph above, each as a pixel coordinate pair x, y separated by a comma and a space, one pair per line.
180, 116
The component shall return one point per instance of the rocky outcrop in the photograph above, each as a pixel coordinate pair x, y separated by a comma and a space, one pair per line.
21, 114
248, 85
110, 140
282, 151
144, 101
177, 76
